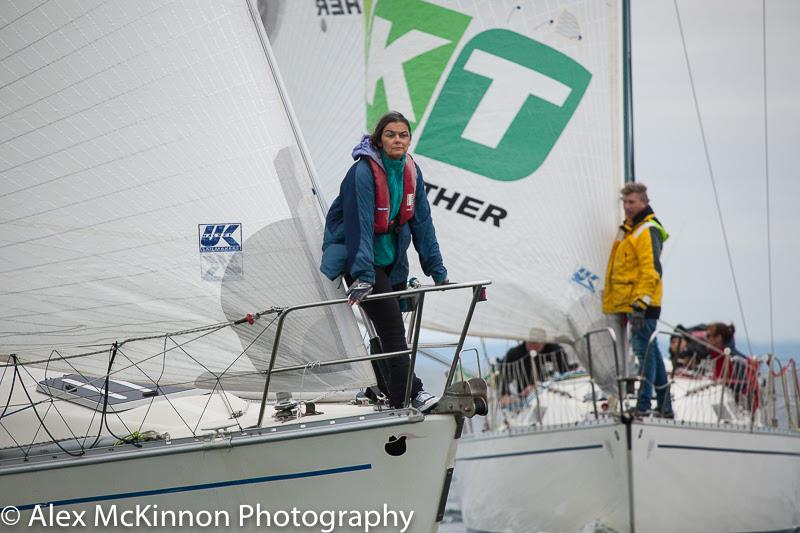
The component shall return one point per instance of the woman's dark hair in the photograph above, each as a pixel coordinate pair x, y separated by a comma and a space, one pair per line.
726, 331
391, 116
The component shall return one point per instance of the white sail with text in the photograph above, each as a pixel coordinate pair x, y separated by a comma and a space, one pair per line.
516, 112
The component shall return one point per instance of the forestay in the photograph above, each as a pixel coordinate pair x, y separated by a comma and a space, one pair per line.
517, 118
152, 184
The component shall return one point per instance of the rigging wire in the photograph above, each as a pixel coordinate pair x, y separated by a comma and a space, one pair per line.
207, 329
766, 174
51, 405
711, 175
157, 382
10, 392
103, 416
218, 381
85, 379
41, 420
132, 438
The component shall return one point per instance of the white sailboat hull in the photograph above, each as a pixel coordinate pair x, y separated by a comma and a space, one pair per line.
544, 480
330, 467
707, 479
682, 478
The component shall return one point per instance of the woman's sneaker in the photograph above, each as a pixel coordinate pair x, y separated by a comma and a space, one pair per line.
424, 401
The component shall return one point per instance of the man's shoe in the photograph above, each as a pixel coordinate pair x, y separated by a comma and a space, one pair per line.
670, 415
642, 414
424, 401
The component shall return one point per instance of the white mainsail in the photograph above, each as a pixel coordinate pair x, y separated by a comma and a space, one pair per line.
152, 184
517, 113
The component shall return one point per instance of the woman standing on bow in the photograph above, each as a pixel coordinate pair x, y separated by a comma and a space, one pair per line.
381, 206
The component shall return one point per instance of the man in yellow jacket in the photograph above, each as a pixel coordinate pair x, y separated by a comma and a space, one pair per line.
633, 287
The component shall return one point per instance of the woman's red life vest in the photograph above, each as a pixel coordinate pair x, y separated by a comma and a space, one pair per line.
382, 201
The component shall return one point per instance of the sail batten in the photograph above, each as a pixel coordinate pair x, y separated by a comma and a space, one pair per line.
152, 183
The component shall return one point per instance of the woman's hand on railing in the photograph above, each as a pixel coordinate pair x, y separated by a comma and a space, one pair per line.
358, 291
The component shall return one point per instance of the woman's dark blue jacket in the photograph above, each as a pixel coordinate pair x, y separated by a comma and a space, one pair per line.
349, 228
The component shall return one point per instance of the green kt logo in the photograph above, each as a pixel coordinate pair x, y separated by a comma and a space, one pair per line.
504, 104
409, 45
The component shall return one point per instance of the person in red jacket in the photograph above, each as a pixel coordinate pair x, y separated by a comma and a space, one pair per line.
738, 371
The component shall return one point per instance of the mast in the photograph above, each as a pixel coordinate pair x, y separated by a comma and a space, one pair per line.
627, 110
630, 174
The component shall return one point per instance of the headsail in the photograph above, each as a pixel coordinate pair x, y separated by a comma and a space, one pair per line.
152, 184
517, 115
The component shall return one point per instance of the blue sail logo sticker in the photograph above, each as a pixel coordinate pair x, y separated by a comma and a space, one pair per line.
586, 279
220, 237
220, 251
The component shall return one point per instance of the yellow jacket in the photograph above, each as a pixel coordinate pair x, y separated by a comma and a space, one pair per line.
634, 266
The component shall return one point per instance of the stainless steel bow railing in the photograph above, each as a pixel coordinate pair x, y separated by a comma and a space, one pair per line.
478, 294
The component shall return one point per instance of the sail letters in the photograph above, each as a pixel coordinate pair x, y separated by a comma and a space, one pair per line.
465, 205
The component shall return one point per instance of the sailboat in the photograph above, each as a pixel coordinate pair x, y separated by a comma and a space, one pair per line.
171, 354
520, 116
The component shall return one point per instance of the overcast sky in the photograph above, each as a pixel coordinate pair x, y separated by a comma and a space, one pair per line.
724, 40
